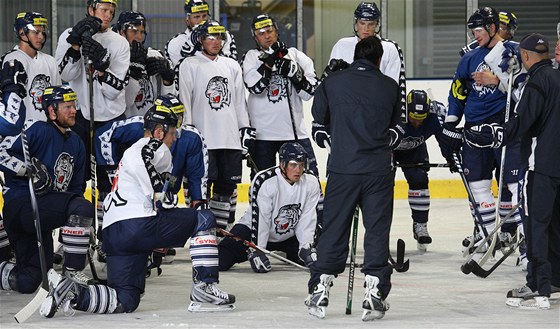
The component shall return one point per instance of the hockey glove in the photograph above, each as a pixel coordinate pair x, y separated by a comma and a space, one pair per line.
335, 64
291, 70
397, 134
158, 65
259, 262
485, 136
155, 261
42, 181
138, 56
280, 49
248, 136
308, 254
451, 140
13, 78
321, 135
95, 52
87, 27
511, 58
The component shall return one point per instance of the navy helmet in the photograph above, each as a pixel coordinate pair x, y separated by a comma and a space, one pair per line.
417, 104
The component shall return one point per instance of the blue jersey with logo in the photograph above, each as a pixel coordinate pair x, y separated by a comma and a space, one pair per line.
62, 153
482, 101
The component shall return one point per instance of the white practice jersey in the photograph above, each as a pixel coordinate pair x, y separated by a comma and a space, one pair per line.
181, 46
214, 96
108, 95
42, 72
141, 94
269, 107
132, 195
279, 210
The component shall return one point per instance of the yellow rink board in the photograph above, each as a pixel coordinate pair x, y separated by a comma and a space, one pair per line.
439, 189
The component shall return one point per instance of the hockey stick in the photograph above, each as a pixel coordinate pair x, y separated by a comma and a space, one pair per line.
254, 246
482, 273
423, 165
34, 304
94, 270
352, 269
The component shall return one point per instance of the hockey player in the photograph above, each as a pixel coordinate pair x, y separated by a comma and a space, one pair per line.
282, 214
41, 69
57, 162
211, 85
480, 104
359, 174
537, 124
13, 81
135, 224
507, 28
149, 71
183, 45
278, 79
424, 120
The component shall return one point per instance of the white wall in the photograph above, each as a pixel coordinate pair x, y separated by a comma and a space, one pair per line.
439, 90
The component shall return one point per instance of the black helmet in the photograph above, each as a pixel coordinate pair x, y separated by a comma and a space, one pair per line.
292, 151
128, 20
417, 104
262, 21
195, 6
483, 17
367, 11
56, 94
206, 28
94, 3
164, 112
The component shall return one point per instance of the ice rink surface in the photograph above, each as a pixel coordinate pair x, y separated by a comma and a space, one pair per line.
434, 293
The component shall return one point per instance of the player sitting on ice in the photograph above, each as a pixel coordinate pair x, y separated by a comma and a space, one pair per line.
282, 214
134, 225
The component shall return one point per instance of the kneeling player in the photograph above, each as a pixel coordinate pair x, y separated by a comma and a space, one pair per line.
282, 214
134, 225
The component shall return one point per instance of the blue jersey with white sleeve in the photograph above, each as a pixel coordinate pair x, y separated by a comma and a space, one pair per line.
112, 139
12, 114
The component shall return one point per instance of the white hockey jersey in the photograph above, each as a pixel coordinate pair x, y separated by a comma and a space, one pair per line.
269, 108
181, 46
279, 210
42, 72
214, 96
109, 95
132, 195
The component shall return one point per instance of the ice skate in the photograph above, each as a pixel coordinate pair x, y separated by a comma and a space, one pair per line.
61, 295
374, 306
514, 297
78, 277
535, 303
5, 269
207, 297
318, 301
169, 256
421, 235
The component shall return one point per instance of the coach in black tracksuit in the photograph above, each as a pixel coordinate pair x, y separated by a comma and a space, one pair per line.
537, 124
360, 104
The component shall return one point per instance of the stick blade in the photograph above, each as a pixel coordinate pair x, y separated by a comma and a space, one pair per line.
477, 270
27, 311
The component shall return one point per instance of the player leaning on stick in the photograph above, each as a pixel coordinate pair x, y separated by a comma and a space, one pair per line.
537, 121
57, 160
135, 224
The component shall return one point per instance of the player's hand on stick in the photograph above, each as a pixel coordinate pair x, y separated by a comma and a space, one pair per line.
87, 27
485, 136
308, 254
259, 262
42, 181
451, 140
94, 51
13, 78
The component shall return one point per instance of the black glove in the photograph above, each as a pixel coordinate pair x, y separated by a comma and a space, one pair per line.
94, 51
248, 136
259, 262
87, 27
321, 135
291, 70
265, 71
280, 49
42, 181
335, 64
155, 65
138, 56
397, 134
308, 254
485, 136
452, 166
451, 140
155, 261
13, 78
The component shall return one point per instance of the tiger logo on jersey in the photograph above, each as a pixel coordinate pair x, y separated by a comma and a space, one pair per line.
484, 89
63, 171
410, 142
145, 97
38, 85
287, 219
218, 93
276, 90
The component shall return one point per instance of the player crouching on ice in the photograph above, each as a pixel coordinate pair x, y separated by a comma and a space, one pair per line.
135, 224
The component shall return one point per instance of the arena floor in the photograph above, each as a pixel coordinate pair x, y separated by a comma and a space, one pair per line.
432, 294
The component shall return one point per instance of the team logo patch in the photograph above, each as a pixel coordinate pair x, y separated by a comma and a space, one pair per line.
218, 93
410, 142
288, 217
145, 97
481, 89
63, 171
38, 85
276, 90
